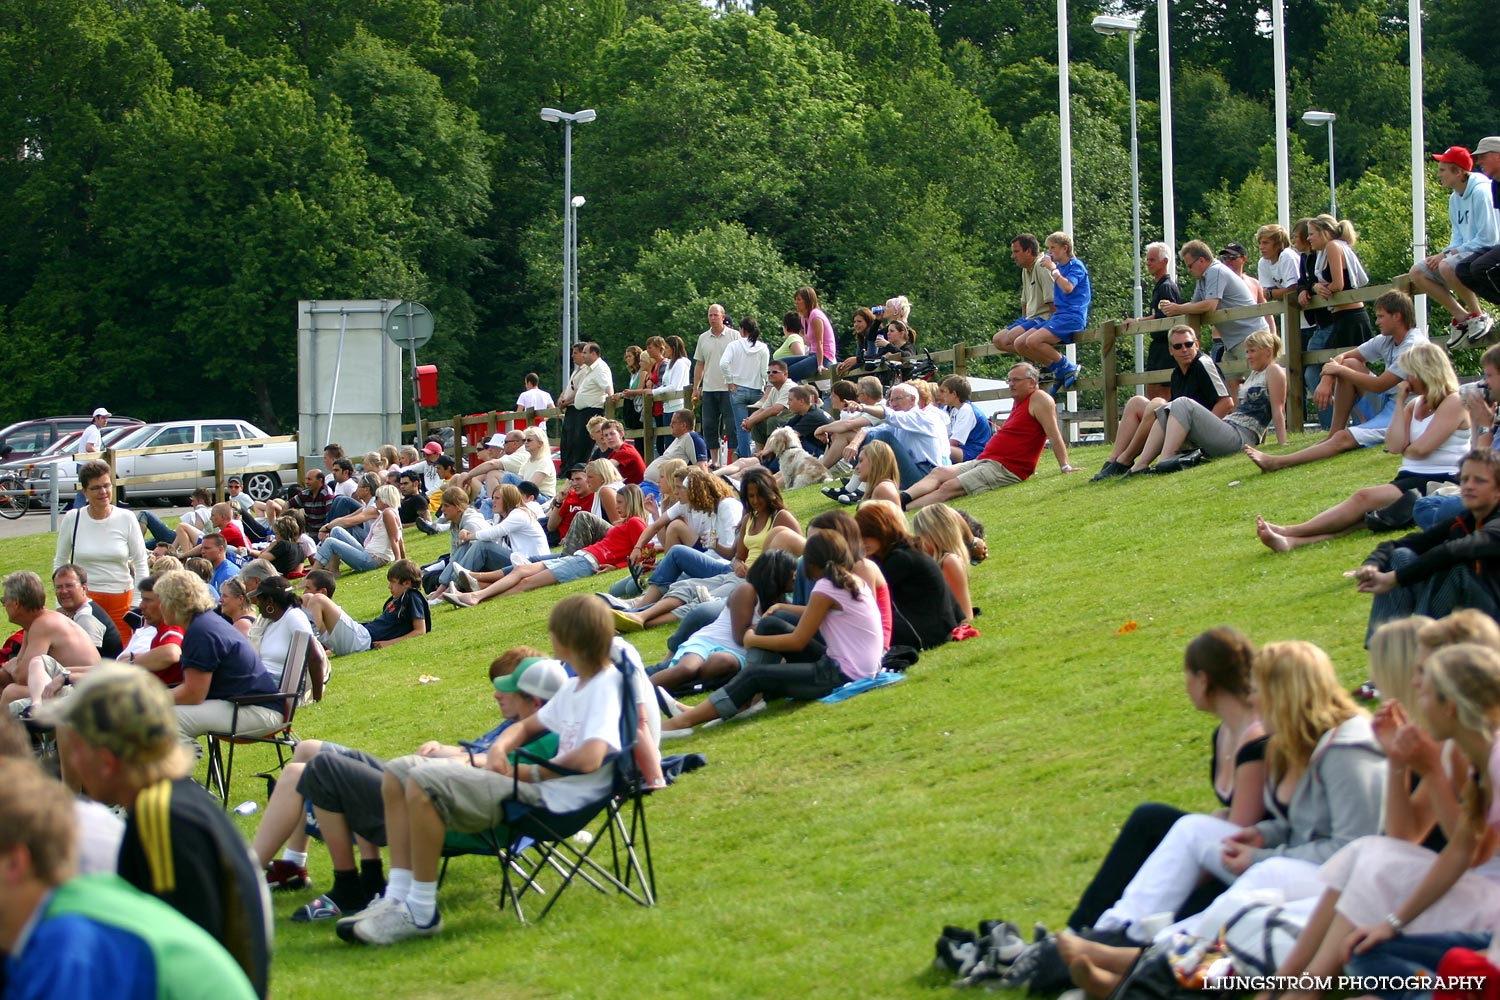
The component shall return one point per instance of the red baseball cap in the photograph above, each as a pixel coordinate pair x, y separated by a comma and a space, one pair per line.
432, 448
1456, 155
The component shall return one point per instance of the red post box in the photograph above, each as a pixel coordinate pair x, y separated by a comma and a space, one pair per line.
427, 394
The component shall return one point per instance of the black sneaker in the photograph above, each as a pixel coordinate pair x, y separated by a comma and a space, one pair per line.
1109, 471
1395, 517
426, 527
957, 951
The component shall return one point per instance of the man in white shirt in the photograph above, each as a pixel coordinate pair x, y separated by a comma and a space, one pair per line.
91, 442
587, 391
343, 477
535, 397
919, 437
773, 410
708, 379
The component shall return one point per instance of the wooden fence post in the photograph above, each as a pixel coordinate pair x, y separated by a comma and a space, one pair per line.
960, 359
1296, 389
1107, 365
218, 446
648, 430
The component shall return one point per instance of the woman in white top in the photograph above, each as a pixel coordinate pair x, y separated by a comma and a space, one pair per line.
678, 377
605, 482
283, 617
106, 542
517, 531
744, 363
538, 467
1431, 434
383, 543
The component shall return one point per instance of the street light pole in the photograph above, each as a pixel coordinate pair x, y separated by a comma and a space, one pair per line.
1164, 81
1326, 118
1418, 141
1109, 25
577, 202
569, 321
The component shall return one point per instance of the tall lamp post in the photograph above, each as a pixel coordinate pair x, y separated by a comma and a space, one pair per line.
578, 201
568, 324
1111, 25
1326, 118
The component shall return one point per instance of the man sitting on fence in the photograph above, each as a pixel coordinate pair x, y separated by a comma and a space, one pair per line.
1013, 451
1036, 292
1481, 272
1348, 376
1072, 293
1475, 228
1218, 288
1195, 376
427, 798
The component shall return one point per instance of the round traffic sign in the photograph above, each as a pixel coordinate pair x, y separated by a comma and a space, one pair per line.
409, 325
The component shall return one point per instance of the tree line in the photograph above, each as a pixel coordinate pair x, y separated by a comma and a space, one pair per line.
181, 173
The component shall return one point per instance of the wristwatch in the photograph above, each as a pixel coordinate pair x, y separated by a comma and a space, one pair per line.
1396, 923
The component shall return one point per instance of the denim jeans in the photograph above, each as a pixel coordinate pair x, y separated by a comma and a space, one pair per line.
911, 469
803, 367
483, 557
1412, 955
739, 408
343, 507
156, 528
681, 561
1436, 509
1318, 340
349, 550
716, 413
803, 675
698, 616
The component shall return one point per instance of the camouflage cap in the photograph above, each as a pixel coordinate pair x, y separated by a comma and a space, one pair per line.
121, 708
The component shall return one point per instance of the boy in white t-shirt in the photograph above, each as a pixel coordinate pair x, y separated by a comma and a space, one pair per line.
426, 797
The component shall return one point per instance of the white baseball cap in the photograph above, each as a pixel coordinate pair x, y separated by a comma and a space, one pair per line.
498, 441
102, 412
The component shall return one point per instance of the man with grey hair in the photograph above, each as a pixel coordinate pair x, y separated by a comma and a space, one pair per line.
708, 380
838, 434
1012, 453
1159, 263
917, 436
53, 641
70, 583
1218, 288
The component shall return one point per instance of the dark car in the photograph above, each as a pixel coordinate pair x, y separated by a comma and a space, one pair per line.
31, 437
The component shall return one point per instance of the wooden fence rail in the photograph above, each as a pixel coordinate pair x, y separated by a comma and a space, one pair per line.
1287, 312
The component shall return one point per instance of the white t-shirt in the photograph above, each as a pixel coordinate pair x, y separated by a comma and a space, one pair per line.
519, 532
344, 489
276, 640
1389, 353
90, 441
198, 517
622, 652
578, 715
535, 399
961, 423
781, 397
1284, 272
548, 482
717, 528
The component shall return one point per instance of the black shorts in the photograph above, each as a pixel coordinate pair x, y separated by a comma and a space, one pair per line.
1482, 273
1420, 481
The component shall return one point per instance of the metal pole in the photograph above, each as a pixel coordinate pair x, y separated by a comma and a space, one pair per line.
567, 244
1135, 218
1333, 193
1418, 154
338, 365
573, 228
1283, 157
1164, 76
1065, 130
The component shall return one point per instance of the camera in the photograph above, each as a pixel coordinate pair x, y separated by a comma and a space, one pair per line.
1476, 390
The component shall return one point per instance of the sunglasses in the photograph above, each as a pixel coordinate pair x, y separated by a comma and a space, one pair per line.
1180, 346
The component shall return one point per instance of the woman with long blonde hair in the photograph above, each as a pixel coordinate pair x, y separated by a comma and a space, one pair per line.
942, 534
1431, 434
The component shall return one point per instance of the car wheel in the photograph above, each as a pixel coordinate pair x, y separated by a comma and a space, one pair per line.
262, 486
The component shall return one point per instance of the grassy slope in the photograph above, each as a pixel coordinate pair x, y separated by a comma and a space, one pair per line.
825, 845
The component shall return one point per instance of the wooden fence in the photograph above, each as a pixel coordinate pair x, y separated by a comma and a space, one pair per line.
1108, 382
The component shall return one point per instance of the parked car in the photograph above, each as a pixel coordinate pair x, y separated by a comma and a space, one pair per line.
32, 437
65, 447
255, 464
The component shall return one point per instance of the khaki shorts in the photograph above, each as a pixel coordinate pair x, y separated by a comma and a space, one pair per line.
984, 474
1235, 353
468, 799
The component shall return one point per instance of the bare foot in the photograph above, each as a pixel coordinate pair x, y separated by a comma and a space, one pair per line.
1264, 462
458, 600
1268, 536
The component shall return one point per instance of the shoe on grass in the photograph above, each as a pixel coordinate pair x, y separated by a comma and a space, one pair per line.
1108, 471
625, 623
284, 876
344, 926
394, 923
322, 908
464, 581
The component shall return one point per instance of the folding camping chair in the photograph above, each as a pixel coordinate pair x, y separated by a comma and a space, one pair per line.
288, 697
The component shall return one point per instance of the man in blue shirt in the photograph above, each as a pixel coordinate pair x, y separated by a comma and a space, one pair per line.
1071, 294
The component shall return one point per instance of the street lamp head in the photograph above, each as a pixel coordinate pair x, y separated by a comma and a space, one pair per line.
586, 115
1110, 24
579, 201
1319, 117
552, 115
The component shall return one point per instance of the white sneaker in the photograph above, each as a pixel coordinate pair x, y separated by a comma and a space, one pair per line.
1458, 334
441, 524
841, 470
345, 924
1479, 328
394, 923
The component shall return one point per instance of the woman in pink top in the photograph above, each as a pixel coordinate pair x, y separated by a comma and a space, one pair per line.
817, 334
791, 662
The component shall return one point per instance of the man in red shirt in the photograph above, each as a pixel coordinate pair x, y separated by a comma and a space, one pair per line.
621, 452
567, 506
1012, 453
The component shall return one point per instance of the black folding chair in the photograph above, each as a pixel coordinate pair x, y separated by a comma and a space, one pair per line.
549, 832
287, 698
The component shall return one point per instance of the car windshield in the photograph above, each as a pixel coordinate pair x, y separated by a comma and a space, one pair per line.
136, 436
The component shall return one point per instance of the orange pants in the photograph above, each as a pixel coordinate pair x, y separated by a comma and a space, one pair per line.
115, 605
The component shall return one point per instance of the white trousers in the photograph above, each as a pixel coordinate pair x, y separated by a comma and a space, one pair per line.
1169, 876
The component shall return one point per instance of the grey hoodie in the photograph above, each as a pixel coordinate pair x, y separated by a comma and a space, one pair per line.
1340, 798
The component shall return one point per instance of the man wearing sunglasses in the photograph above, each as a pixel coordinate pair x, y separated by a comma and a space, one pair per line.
1195, 376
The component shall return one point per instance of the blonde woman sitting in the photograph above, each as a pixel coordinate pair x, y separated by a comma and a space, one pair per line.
942, 534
